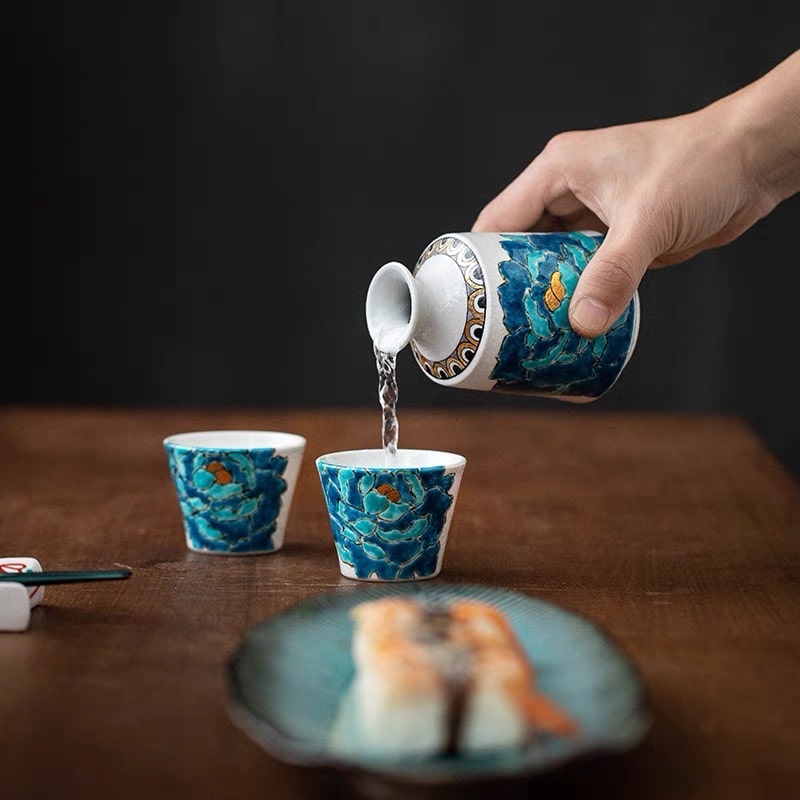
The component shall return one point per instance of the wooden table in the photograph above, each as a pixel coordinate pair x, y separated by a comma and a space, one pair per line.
679, 534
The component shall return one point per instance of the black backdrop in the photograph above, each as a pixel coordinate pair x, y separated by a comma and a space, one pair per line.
204, 190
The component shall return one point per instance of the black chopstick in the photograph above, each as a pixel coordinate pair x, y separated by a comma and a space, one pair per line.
64, 576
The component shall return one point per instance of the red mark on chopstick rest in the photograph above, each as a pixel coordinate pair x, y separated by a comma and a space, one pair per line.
12, 567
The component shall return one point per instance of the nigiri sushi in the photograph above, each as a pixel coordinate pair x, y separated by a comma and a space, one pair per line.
444, 679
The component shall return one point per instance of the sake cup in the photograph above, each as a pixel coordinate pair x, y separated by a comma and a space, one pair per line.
234, 488
390, 518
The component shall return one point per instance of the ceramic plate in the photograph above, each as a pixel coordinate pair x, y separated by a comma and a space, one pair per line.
288, 685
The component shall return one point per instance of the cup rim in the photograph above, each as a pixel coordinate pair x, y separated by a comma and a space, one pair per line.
374, 458
235, 440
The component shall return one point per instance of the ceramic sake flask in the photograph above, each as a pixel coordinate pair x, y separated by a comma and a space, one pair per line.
489, 311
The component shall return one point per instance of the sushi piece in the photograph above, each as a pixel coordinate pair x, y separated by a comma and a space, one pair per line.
444, 679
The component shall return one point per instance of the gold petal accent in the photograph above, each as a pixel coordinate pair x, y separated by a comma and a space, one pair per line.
555, 293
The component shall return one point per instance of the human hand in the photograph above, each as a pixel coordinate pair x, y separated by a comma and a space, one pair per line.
661, 190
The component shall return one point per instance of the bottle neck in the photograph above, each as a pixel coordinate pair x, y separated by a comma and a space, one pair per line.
392, 308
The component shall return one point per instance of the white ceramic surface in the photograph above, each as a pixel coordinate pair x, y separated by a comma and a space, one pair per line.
15, 607
9, 565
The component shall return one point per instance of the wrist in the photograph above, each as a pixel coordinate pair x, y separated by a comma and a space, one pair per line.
763, 120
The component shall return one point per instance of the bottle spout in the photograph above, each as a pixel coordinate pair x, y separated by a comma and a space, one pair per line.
392, 307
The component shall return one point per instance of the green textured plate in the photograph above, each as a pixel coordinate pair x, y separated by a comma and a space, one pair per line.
288, 682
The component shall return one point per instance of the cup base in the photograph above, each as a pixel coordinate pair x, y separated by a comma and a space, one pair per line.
348, 572
241, 553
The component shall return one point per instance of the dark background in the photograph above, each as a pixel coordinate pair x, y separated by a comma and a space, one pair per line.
203, 191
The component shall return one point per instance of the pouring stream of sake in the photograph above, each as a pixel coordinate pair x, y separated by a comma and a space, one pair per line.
386, 345
391, 316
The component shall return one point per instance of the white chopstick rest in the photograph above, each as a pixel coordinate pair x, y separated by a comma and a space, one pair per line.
15, 607
9, 565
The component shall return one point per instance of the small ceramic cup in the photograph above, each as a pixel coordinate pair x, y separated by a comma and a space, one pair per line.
390, 521
234, 488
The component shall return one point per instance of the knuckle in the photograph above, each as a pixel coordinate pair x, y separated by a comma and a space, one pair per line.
561, 143
486, 219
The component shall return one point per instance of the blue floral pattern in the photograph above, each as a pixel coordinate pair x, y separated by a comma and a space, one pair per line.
541, 352
387, 523
230, 501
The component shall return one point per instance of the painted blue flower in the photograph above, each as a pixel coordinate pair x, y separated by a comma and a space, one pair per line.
230, 500
387, 523
541, 351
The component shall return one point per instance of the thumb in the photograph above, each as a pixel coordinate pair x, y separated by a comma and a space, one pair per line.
609, 281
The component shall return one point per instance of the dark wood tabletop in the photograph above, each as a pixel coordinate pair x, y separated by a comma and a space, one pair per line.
678, 534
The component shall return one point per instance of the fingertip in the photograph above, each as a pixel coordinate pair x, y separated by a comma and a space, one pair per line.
608, 283
589, 317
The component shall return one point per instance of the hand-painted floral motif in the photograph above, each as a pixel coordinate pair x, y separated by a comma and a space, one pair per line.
541, 351
387, 522
230, 500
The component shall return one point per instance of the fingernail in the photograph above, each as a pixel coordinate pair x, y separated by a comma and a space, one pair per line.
590, 315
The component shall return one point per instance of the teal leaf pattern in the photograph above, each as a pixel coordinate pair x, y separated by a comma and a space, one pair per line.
387, 523
230, 501
540, 351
